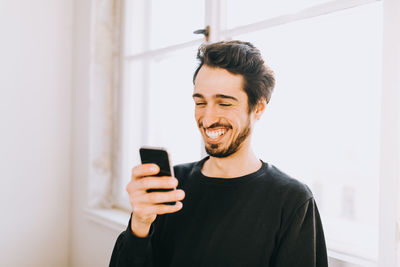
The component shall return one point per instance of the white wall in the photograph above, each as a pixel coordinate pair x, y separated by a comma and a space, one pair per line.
35, 107
44, 87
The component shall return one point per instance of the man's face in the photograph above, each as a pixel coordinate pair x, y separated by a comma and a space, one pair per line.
221, 111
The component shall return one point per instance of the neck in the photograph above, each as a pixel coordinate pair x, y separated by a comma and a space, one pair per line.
240, 163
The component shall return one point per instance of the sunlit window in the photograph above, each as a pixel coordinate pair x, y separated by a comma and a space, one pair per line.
323, 122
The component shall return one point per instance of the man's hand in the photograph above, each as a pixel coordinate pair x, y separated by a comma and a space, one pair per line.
146, 206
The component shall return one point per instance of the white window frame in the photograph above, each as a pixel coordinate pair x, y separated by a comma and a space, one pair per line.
389, 190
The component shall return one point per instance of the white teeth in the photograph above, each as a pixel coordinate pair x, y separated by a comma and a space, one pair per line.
215, 134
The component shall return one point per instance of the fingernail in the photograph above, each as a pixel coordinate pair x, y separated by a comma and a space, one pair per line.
153, 168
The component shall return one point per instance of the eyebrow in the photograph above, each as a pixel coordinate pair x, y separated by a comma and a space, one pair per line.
217, 96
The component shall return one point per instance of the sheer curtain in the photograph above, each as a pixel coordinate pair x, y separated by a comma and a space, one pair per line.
104, 82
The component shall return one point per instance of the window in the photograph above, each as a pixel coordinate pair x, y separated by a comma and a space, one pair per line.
323, 124
157, 107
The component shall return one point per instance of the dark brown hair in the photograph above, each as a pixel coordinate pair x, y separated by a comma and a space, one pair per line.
243, 58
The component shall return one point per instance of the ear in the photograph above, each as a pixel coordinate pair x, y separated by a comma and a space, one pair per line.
260, 108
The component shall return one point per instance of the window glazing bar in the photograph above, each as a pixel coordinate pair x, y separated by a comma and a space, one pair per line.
165, 50
317, 10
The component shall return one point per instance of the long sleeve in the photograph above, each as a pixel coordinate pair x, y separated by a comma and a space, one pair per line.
130, 250
302, 241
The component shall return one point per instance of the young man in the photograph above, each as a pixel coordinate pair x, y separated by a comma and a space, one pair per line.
231, 208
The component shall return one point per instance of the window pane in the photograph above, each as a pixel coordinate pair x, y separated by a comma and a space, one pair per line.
161, 115
174, 21
239, 12
170, 107
322, 125
165, 25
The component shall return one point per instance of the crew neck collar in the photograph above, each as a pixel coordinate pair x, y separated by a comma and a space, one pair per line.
227, 181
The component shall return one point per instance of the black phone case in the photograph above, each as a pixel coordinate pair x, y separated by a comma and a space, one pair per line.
157, 156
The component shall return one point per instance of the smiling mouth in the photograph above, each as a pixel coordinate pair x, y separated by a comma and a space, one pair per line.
215, 135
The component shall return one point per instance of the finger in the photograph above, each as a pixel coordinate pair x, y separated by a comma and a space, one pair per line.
162, 197
144, 170
165, 182
163, 209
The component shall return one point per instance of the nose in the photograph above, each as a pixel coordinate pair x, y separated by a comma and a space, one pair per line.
210, 117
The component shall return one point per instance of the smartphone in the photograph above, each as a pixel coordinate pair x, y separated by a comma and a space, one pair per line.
159, 156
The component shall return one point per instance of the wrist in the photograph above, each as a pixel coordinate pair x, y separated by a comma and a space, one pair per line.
140, 229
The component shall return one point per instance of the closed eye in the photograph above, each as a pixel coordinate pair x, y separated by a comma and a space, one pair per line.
225, 105
200, 103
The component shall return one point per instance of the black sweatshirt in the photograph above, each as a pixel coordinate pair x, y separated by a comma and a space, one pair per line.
262, 219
